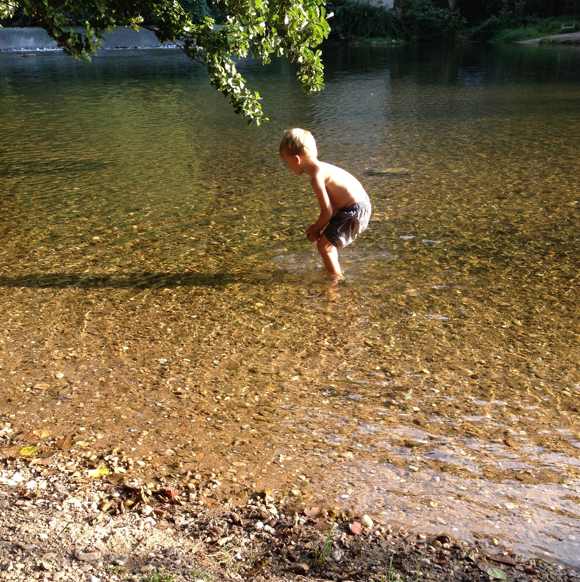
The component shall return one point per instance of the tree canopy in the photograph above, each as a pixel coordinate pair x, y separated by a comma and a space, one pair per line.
262, 28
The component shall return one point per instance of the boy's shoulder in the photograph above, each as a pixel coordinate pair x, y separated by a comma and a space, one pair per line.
328, 170
319, 170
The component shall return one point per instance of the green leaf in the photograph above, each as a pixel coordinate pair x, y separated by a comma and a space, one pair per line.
28, 451
495, 573
100, 471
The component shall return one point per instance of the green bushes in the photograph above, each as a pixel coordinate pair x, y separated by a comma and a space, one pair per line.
419, 20
358, 19
422, 20
507, 28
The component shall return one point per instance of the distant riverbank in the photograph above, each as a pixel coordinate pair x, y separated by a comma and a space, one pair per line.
35, 39
572, 38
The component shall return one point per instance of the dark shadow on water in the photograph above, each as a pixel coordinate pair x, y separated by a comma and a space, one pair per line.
144, 280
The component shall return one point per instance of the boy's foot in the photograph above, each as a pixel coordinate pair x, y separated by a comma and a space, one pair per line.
332, 291
333, 286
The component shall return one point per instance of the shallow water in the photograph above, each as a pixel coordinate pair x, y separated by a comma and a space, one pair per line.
158, 295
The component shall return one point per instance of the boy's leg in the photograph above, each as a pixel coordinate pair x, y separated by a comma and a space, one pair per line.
329, 254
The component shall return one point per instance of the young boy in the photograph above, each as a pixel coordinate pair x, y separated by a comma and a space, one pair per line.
345, 208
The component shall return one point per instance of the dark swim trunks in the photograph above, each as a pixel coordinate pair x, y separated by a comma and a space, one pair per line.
348, 223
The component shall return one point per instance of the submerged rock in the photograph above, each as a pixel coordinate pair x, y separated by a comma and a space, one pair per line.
387, 172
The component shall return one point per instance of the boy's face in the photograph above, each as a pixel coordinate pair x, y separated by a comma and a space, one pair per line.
293, 162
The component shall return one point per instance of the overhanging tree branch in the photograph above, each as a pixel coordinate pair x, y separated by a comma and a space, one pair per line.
263, 28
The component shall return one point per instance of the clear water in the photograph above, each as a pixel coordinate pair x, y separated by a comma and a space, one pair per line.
157, 293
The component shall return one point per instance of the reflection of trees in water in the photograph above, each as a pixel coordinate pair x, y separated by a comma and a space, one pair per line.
477, 64
468, 65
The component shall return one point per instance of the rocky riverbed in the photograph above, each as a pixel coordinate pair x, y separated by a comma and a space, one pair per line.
61, 521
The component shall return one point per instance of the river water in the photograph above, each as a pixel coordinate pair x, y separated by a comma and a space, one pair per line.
157, 294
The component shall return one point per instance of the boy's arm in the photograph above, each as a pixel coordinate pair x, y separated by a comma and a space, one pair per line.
313, 231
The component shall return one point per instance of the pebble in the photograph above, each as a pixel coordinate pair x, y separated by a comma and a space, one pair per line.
367, 521
302, 568
337, 555
87, 556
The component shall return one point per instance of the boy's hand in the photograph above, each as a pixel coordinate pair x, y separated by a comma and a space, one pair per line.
312, 233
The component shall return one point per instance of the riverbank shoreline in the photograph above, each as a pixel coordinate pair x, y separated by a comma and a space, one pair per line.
571, 38
60, 519
37, 40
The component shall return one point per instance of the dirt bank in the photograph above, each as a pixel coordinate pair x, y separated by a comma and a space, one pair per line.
60, 521
568, 38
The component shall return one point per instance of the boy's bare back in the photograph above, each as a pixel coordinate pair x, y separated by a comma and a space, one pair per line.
342, 187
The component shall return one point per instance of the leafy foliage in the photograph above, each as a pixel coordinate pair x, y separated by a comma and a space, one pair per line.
423, 19
262, 28
413, 19
358, 19
8, 9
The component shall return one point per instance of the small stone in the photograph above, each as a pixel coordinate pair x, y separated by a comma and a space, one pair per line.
337, 555
356, 528
367, 521
14, 480
87, 556
259, 525
312, 512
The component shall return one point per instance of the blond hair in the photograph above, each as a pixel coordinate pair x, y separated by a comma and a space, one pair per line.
298, 141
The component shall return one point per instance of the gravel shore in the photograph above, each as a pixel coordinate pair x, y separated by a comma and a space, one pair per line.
62, 522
